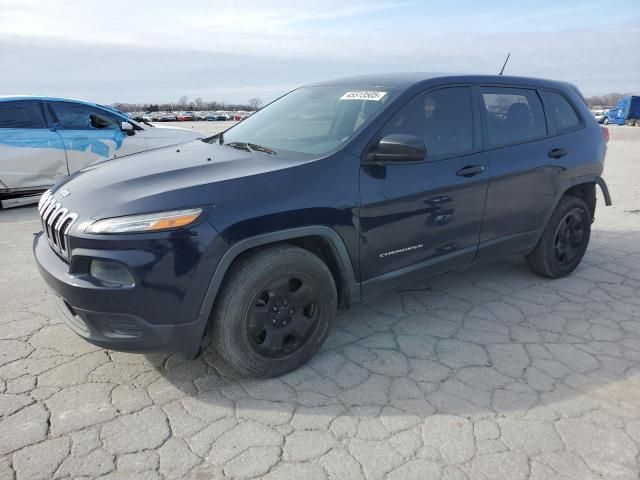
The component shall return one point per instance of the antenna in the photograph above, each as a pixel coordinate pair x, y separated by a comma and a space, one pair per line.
505, 63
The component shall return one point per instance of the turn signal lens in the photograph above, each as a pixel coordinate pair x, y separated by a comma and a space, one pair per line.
150, 222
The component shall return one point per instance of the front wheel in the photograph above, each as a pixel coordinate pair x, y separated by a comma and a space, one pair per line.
564, 240
274, 311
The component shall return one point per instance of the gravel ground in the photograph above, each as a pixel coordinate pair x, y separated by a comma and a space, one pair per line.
492, 373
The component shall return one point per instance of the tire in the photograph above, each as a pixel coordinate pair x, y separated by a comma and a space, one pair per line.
274, 311
558, 253
605, 121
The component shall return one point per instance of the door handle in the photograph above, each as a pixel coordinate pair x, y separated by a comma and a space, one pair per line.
470, 171
557, 153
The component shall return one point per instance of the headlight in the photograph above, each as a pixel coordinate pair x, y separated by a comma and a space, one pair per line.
148, 222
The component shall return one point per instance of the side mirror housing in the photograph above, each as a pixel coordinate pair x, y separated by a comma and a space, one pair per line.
127, 128
398, 148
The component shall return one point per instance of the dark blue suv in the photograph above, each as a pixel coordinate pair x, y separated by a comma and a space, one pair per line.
329, 195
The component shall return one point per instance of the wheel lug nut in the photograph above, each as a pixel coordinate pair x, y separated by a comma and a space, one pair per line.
284, 322
285, 303
275, 309
291, 312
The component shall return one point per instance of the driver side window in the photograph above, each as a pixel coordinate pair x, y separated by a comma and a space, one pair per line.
442, 118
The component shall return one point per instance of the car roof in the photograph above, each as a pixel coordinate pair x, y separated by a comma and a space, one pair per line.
403, 80
7, 98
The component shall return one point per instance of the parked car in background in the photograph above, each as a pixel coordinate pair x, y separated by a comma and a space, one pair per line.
44, 139
427, 174
216, 117
185, 116
626, 112
167, 117
599, 115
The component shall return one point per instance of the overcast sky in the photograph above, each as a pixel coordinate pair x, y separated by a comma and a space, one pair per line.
153, 50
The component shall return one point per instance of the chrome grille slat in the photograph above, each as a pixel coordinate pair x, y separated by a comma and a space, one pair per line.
56, 221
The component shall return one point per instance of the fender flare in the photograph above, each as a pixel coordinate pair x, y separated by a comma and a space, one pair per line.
605, 190
596, 179
333, 238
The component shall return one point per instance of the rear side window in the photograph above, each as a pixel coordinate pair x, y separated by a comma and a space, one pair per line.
514, 115
21, 114
72, 116
560, 112
442, 118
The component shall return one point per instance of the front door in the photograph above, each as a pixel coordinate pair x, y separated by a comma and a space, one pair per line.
31, 155
425, 218
91, 135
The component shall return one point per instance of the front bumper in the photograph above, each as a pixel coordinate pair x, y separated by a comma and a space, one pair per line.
120, 318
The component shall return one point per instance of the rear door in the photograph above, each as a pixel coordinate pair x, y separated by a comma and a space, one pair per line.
525, 170
32, 156
425, 218
91, 135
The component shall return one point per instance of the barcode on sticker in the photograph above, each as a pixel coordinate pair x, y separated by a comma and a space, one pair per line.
364, 95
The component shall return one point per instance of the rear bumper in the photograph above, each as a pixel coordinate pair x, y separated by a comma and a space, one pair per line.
96, 312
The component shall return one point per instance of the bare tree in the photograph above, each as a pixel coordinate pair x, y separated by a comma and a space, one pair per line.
607, 100
183, 101
255, 103
199, 103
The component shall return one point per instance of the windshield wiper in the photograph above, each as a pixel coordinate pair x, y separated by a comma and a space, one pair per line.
260, 148
239, 146
248, 146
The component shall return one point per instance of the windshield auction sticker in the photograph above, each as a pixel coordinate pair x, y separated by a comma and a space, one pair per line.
364, 95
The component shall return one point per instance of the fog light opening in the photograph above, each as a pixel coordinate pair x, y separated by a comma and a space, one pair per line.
111, 273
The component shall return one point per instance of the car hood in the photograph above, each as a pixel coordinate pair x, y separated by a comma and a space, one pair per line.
179, 176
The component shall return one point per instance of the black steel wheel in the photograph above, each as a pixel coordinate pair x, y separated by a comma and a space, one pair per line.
569, 237
283, 315
564, 240
274, 310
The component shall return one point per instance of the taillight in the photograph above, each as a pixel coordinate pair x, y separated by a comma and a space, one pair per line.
605, 133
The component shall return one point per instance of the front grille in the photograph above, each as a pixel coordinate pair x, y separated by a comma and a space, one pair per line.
56, 222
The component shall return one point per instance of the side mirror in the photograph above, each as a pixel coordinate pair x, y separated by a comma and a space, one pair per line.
399, 148
127, 128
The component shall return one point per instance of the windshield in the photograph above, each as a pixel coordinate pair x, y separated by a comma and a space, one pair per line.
310, 122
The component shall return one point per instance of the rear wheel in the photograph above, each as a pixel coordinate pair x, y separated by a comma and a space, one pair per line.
564, 240
274, 311
605, 121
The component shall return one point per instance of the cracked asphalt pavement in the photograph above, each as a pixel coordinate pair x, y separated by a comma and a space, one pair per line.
492, 373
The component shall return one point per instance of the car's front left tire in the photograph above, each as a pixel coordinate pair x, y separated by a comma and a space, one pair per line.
274, 310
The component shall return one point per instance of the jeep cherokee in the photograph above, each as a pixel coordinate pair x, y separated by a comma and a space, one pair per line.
329, 195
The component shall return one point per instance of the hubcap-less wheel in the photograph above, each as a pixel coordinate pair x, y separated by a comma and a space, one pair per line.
569, 237
282, 316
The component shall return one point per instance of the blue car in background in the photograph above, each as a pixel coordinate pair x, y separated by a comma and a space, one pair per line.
44, 139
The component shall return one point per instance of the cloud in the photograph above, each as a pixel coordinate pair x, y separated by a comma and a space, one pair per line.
232, 50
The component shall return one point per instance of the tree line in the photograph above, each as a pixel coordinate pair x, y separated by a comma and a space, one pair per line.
607, 100
184, 103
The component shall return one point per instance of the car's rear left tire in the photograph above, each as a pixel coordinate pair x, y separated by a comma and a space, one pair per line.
564, 240
274, 310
